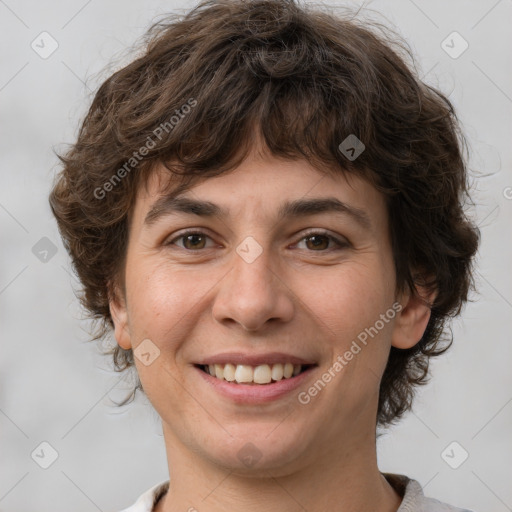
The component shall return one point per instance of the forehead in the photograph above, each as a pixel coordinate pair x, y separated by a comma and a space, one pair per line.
263, 184
265, 173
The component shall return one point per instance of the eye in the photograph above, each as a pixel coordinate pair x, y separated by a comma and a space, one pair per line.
318, 241
193, 240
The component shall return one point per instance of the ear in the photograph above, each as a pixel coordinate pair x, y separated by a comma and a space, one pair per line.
412, 320
119, 313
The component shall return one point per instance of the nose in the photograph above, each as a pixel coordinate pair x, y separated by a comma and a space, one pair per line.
253, 293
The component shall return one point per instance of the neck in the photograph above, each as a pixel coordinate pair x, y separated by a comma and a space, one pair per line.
344, 478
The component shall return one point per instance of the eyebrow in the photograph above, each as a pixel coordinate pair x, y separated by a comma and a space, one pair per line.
169, 204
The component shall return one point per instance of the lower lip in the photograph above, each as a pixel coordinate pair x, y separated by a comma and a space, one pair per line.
255, 393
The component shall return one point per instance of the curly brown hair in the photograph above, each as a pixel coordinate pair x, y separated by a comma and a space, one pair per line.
306, 79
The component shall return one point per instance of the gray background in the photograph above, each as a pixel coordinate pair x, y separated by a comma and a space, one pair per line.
54, 385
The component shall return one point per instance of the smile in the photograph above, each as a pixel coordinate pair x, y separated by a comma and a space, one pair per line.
250, 389
260, 374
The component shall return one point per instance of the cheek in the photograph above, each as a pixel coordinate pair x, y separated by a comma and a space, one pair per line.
163, 300
156, 299
349, 299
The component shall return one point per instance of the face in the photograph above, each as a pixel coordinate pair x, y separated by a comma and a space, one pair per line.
237, 284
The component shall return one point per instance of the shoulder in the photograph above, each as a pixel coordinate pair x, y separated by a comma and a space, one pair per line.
414, 500
146, 501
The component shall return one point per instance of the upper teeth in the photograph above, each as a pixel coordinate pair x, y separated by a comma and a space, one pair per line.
262, 374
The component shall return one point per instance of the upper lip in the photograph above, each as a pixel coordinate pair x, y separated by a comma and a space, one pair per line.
254, 359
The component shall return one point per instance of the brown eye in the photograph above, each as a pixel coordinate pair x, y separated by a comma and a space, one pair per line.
192, 240
319, 241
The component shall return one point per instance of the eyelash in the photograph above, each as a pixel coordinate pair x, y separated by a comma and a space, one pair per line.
319, 232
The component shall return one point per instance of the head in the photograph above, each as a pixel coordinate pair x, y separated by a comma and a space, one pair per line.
247, 105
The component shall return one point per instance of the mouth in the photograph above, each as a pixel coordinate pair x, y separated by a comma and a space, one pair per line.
258, 375
251, 384
251, 379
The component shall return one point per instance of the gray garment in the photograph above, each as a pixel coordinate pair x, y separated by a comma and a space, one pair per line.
413, 498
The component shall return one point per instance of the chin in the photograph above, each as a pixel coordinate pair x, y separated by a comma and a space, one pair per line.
252, 451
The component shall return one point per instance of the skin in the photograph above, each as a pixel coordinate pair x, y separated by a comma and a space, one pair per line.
199, 298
